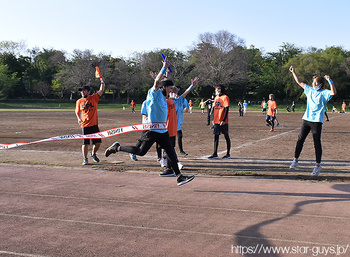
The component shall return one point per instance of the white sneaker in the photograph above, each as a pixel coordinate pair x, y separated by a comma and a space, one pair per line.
180, 165
294, 165
316, 170
163, 162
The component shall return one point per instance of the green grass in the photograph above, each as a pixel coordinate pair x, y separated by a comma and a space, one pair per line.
54, 105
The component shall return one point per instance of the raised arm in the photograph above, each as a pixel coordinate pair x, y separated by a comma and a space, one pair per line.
161, 74
296, 77
102, 87
330, 81
194, 82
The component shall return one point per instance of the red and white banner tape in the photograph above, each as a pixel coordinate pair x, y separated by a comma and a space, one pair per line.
103, 134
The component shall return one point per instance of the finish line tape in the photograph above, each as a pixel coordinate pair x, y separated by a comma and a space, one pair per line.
103, 134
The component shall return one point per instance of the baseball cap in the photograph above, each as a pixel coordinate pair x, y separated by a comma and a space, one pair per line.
84, 87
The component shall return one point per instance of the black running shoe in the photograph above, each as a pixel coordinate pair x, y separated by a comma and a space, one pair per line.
182, 180
167, 173
183, 154
227, 156
94, 157
213, 157
112, 149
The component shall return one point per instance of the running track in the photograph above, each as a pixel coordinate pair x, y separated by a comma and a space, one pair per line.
59, 211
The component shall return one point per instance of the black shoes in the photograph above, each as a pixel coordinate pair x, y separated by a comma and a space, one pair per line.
182, 179
112, 149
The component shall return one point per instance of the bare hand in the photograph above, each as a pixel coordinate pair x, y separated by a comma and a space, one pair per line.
327, 77
152, 74
194, 81
166, 63
291, 69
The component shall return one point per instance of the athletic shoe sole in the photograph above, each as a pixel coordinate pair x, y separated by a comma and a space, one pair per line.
112, 149
183, 182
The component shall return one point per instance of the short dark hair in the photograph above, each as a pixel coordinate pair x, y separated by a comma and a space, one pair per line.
88, 88
166, 83
320, 80
223, 91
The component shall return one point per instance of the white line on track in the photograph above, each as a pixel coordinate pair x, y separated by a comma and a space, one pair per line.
254, 142
21, 254
171, 205
94, 223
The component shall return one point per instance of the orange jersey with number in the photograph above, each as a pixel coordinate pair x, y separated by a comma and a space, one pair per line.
220, 102
87, 107
171, 122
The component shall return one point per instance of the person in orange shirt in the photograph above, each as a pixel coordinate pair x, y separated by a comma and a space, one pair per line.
271, 113
220, 120
343, 107
133, 104
86, 112
190, 103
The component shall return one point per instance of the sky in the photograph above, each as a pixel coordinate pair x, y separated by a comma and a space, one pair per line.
119, 28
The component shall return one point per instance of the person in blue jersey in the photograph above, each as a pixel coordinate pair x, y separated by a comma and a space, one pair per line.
317, 99
180, 104
157, 111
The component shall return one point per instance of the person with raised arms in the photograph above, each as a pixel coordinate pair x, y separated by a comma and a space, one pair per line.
317, 99
157, 112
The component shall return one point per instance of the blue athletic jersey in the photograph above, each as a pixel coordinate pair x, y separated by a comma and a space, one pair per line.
180, 104
316, 103
144, 108
157, 108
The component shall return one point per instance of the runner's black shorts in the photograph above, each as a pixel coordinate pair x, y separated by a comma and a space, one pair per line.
220, 129
91, 130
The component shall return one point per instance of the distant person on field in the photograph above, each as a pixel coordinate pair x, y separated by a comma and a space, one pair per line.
317, 99
133, 104
86, 112
293, 106
264, 106
240, 109
202, 106
245, 107
209, 103
191, 105
343, 107
271, 113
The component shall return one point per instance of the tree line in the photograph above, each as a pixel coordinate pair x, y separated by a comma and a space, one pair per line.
217, 58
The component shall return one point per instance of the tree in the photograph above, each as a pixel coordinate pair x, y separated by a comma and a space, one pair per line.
8, 82
220, 58
321, 62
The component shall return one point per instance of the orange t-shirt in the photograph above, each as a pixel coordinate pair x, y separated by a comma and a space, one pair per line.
171, 122
87, 107
220, 102
272, 107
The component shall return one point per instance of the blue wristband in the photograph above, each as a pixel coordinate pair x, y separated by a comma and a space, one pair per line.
330, 81
191, 87
163, 70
